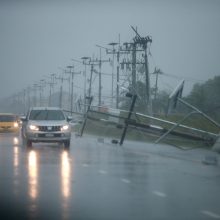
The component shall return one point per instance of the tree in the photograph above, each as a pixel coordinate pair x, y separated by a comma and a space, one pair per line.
206, 97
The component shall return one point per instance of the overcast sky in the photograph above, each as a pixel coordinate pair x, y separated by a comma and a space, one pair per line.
37, 37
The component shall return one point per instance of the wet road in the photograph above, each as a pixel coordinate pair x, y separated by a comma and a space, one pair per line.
96, 180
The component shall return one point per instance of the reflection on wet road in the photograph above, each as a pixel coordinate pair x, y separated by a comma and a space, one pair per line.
16, 168
65, 174
33, 175
65, 184
98, 181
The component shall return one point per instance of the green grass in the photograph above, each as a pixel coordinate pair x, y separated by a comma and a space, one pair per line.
196, 121
109, 129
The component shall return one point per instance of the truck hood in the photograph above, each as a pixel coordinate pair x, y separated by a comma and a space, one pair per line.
48, 123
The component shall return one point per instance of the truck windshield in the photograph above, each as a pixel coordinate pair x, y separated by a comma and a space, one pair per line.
46, 115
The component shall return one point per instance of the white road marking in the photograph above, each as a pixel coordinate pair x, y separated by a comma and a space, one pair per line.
125, 180
210, 214
160, 194
102, 172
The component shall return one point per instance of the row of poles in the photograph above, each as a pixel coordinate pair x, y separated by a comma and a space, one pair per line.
138, 45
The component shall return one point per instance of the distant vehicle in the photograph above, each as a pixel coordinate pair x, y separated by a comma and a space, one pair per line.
9, 122
46, 124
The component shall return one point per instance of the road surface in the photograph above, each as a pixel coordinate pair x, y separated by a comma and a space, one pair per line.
97, 180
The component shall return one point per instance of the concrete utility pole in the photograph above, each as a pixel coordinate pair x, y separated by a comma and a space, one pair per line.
117, 86
35, 94
72, 76
98, 62
42, 84
24, 99
157, 72
91, 62
61, 78
90, 80
85, 61
50, 92
132, 47
113, 52
143, 42
39, 87
28, 94
51, 84
85, 79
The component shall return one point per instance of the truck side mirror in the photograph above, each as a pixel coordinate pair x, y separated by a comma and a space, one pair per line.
69, 118
23, 118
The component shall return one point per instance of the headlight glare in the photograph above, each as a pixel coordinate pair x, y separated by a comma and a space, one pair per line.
34, 128
64, 127
15, 124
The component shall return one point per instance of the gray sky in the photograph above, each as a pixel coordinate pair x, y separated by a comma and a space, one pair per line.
37, 37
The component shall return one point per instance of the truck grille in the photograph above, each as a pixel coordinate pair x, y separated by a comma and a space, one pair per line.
49, 128
46, 135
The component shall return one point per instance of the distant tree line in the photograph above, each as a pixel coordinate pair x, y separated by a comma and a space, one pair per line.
205, 96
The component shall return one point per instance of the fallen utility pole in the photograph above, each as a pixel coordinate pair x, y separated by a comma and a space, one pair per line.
195, 111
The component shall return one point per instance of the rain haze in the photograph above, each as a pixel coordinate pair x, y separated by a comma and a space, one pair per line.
40, 38
89, 140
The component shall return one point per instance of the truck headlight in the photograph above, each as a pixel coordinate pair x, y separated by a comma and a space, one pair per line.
33, 128
65, 127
